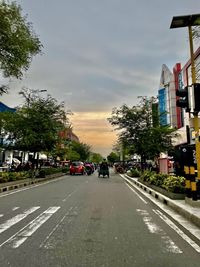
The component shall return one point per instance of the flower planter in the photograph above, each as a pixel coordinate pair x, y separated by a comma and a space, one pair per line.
53, 175
175, 196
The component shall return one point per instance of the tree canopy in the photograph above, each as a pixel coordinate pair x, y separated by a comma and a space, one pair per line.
96, 157
34, 127
112, 157
138, 132
18, 42
79, 149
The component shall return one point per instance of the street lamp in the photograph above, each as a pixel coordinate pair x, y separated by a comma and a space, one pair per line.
189, 21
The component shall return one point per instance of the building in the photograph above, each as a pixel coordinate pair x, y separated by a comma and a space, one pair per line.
167, 98
5, 155
68, 134
170, 114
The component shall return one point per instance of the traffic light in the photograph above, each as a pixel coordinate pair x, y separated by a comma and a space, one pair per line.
197, 97
183, 101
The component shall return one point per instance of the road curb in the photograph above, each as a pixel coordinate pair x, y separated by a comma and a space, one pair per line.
25, 183
187, 213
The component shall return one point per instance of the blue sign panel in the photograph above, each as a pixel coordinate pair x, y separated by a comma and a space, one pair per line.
180, 81
162, 106
4, 108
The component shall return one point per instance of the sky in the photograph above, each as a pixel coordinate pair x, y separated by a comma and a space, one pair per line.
101, 54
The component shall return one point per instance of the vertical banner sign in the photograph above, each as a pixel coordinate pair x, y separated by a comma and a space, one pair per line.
162, 106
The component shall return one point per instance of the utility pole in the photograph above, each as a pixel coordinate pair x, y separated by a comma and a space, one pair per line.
189, 21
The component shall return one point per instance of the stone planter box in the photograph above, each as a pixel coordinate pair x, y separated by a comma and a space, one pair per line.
175, 196
53, 175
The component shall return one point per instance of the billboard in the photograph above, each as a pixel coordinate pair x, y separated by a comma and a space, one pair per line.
162, 96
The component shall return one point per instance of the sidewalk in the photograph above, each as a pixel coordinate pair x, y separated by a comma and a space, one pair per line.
183, 207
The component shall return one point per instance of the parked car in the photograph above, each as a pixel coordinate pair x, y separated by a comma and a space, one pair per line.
76, 167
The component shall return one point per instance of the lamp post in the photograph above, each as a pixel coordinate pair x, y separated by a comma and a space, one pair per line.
189, 21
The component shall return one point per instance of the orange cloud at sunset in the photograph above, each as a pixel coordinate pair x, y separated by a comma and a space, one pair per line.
93, 129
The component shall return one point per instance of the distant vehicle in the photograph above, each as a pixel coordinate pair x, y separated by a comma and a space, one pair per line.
89, 168
65, 163
103, 170
76, 167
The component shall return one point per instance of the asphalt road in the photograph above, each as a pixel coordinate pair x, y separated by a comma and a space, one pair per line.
86, 221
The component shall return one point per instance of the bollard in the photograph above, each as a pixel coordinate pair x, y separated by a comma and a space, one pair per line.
193, 183
187, 182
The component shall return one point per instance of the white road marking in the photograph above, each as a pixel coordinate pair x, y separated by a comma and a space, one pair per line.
46, 243
16, 219
193, 229
137, 194
177, 230
170, 245
15, 208
1, 215
68, 196
153, 228
20, 237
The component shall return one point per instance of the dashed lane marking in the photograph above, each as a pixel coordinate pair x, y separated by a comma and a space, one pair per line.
153, 228
177, 230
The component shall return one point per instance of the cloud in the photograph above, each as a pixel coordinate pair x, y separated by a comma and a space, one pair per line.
101, 54
94, 128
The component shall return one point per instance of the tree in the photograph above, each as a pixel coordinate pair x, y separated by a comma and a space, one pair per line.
196, 32
35, 126
112, 157
18, 42
137, 130
81, 149
96, 157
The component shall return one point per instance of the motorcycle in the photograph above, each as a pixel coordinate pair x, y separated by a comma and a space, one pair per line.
88, 169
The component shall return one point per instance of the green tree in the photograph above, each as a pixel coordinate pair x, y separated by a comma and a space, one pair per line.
112, 157
137, 130
18, 42
35, 126
73, 155
96, 157
81, 149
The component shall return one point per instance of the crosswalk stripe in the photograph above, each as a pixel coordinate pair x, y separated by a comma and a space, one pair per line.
16, 219
30, 228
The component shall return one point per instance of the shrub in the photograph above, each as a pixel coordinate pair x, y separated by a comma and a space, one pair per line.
159, 179
65, 169
47, 171
4, 177
146, 176
42, 173
12, 176
174, 184
134, 172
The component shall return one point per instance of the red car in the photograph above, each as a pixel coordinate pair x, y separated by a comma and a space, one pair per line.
76, 167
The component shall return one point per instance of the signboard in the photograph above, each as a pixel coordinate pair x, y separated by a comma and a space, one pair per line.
188, 155
162, 106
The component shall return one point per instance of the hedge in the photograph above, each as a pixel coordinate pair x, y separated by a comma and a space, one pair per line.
171, 183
